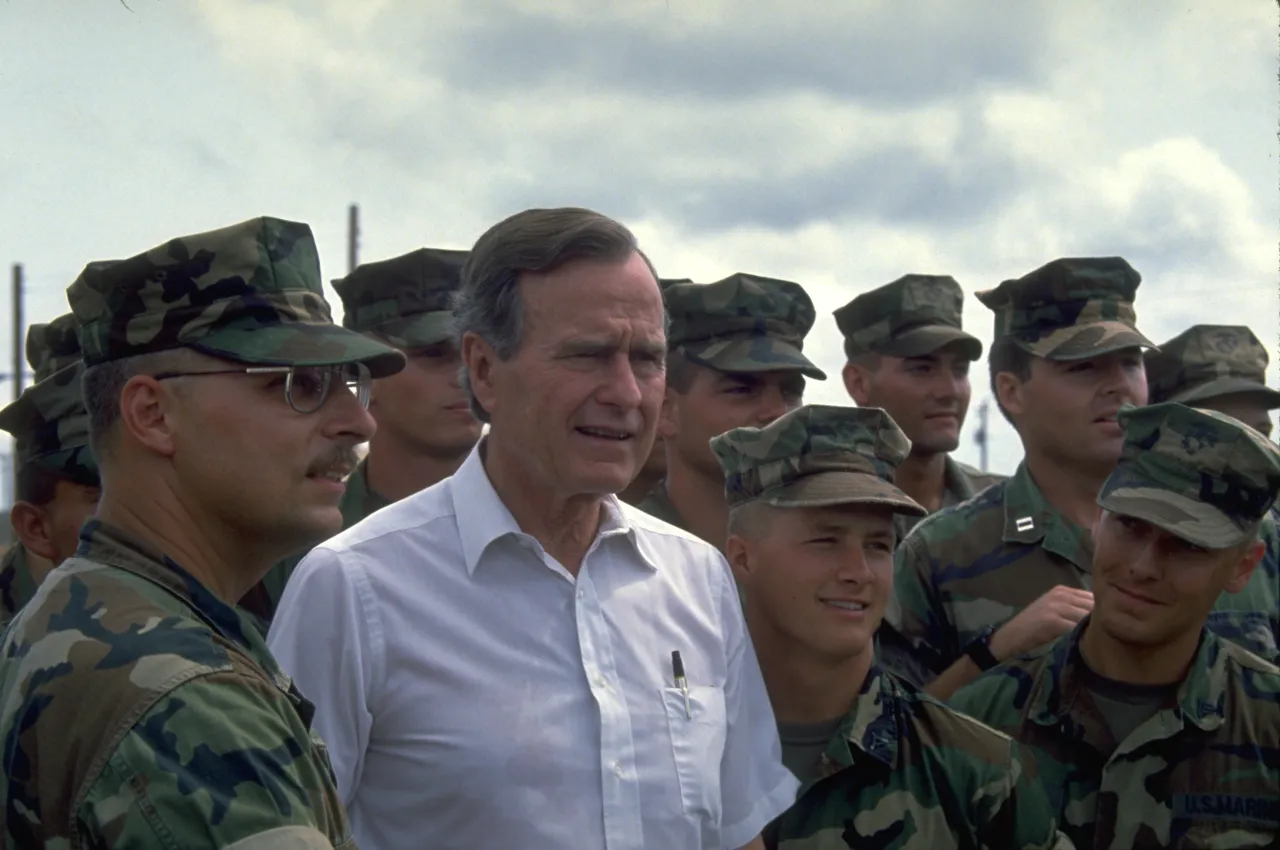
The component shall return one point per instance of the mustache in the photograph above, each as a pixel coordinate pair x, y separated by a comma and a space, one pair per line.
340, 457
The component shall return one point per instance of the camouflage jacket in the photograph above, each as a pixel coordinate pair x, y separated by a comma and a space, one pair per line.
978, 563
658, 504
357, 503
961, 482
16, 584
905, 771
195, 737
1204, 772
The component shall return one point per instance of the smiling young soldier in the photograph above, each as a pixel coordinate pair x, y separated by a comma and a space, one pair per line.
425, 425
139, 707
812, 506
1224, 368
57, 487
1149, 730
735, 359
1008, 570
908, 354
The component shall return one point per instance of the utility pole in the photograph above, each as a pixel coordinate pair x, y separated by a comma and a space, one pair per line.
353, 237
980, 436
18, 331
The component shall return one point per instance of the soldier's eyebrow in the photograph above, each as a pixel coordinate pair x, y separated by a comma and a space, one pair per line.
748, 378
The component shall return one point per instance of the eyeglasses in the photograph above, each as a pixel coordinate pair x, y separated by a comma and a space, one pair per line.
305, 387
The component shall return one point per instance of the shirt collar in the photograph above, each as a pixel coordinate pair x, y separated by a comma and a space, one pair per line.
955, 482
107, 544
871, 726
483, 518
1201, 695
1029, 519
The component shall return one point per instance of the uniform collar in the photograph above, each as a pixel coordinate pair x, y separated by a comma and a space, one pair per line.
110, 545
1201, 696
872, 727
482, 517
1029, 519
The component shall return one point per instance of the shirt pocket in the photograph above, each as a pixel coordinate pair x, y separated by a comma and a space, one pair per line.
697, 745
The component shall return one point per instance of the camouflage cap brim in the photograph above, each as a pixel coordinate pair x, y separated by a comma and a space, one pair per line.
1228, 386
825, 489
1192, 520
76, 465
752, 354
416, 331
918, 342
299, 344
1080, 342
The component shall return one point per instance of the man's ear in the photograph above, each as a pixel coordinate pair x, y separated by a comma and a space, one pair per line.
479, 359
668, 416
1010, 394
34, 529
1243, 570
857, 382
146, 410
737, 551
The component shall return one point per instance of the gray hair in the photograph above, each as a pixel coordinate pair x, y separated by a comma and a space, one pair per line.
103, 383
488, 302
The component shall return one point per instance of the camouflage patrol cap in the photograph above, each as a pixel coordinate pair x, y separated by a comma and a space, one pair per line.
915, 315
817, 455
50, 426
1198, 474
250, 293
743, 323
405, 301
1208, 361
1069, 309
52, 346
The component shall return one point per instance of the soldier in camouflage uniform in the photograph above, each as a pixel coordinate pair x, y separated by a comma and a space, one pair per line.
1215, 367
734, 359
425, 425
1224, 368
57, 485
1008, 570
812, 501
217, 390
655, 468
908, 354
1149, 730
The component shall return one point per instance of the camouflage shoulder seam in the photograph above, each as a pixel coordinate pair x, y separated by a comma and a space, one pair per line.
982, 499
146, 701
965, 719
974, 472
1243, 657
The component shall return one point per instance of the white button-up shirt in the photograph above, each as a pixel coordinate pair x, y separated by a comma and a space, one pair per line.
474, 694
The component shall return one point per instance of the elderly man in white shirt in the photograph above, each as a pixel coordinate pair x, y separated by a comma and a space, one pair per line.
494, 659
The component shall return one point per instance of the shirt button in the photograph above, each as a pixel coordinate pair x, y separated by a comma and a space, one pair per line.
602, 682
617, 768
581, 593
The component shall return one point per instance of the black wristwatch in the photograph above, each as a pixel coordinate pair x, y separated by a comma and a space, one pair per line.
980, 650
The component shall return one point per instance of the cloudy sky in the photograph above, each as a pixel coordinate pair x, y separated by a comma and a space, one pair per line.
839, 145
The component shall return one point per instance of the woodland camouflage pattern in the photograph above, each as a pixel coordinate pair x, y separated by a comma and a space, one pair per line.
250, 293
743, 323
905, 772
1204, 772
1069, 309
816, 455
53, 346
17, 585
977, 564
960, 481
48, 421
1198, 474
196, 739
405, 301
915, 315
1208, 361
